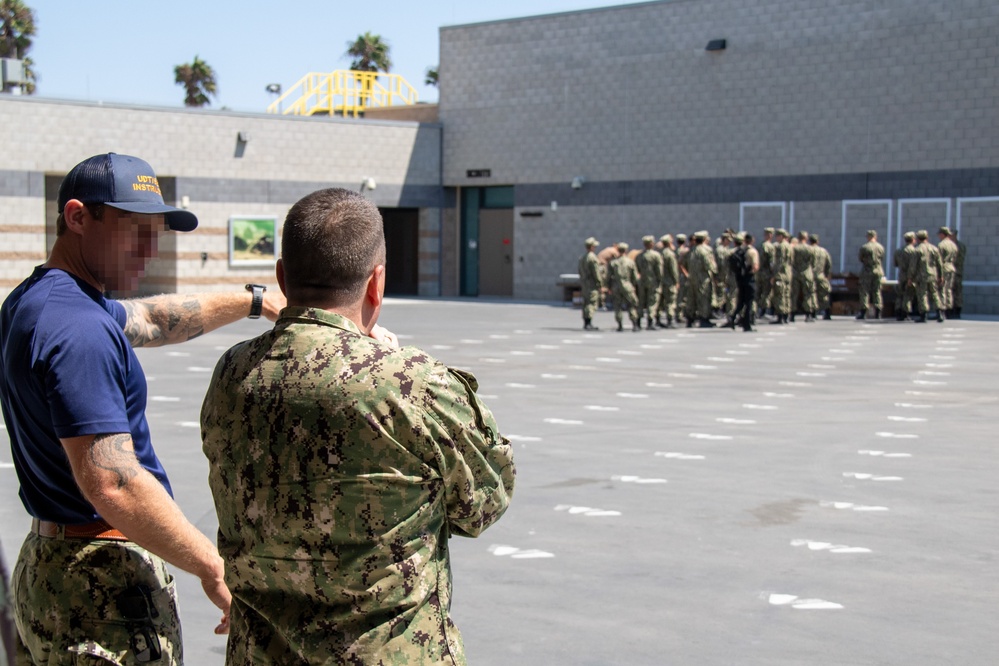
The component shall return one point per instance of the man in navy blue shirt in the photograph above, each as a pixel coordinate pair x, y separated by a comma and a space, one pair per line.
91, 578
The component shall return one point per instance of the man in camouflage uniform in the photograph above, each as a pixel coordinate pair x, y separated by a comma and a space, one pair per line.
924, 277
823, 273
590, 282
650, 278
904, 292
958, 294
948, 259
624, 288
671, 283
871, 255
91, 583
682, 254
702, 272
720, 283
803, 278
341, 464
780, 282
764, 276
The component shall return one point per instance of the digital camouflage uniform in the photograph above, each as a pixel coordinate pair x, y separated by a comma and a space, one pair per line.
904, 292
590, 282
340, 467
682, 292
721, 283
871, 256
702, 271
823, 272
802, 279
650, 278
763, 276
948, 260
624, 287
671, 283
782, 275
932, 269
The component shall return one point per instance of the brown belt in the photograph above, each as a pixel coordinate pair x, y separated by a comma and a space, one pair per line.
98, 530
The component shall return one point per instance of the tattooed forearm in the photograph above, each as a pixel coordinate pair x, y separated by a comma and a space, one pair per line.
113, 453
163, 320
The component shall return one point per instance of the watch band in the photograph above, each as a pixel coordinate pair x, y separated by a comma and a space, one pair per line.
258, 299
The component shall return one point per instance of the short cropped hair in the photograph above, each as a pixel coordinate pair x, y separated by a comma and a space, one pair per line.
331, 241
96, 211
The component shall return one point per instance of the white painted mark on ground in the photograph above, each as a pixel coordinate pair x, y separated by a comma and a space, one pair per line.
178, 354
546, 347
518, 554
198, 368
486, 359
737, 352
518, 352
839, 549
939, 365
864, 476
802, 604
704, 435
602, 408
469, 341
550, 376
921, 393
188, 424
721, 359
911, 405
794, 383
563, 421
933, 373
581, 367
607, 359
497, 336
441, 347
681, 375
855, 337
164, 398
726, 419
486, 396
942, 358
628, 352
573, 342
950, 342
515, 385
840, 351
883, 454
811, 374
821, 366
752, 406
851, 344
636, 479
948, 350
771, 394
679, 456
637, 396
896, 435
927, 382
523, 331
522, 438
704, 367
907, 419
831, 358
747, 345
651, 346
844, 506
586, 511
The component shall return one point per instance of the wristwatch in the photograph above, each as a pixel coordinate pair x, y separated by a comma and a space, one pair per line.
258, 299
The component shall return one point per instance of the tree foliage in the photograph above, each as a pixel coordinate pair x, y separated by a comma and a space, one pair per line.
198, 79
370, 53
431, 77
17, 27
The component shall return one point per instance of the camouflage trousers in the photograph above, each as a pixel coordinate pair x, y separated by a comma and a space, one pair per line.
591, 301
822, 291
667, 304
780, 295
947, 291
763, 289
957, 292
869, 287
625, 299
648, 300
87, 601
699, 298
905, 297
927, 296
803, 294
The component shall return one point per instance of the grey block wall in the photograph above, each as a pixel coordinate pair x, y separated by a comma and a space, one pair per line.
812, 103
197, 151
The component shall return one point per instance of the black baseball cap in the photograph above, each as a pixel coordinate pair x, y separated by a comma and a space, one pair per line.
123, 182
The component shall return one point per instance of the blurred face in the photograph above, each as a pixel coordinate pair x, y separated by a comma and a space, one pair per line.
117, 248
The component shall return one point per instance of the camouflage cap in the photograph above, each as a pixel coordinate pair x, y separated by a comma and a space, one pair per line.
813, 238
681, 238
909, 235
803, 235
591, 242
649, 239
944, 230
665, 238
769, 230
782, 232
622, 247
872, 232
739, 237
922, 234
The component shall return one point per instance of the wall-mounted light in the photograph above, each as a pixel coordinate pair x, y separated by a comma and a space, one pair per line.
577, 183
185, 202
368, 184
716, 45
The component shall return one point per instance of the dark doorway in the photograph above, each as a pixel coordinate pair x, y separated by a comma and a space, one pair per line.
402, 251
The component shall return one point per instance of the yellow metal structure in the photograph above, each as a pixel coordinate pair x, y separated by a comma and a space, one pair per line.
343, 92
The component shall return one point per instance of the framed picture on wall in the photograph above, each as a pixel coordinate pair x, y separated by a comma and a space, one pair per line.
253, 240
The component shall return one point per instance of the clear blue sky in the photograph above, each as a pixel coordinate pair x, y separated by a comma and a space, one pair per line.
125, 52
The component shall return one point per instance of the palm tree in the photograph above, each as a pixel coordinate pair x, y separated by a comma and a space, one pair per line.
369, 53
431, 77
198, 79
17, 27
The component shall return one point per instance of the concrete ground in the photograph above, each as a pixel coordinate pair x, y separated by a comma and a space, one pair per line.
807, 494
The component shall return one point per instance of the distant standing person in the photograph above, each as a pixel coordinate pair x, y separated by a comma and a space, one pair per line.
872, 272
765, 275
671, 283
823, 273
341, 464
701, 280
745, 263
624, 288
590, 282
781, 279
650, 278
948, 258
962, 251
924, 273
904, 293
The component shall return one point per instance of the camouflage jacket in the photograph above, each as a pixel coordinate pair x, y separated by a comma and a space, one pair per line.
589, 272
650, 268
339, 467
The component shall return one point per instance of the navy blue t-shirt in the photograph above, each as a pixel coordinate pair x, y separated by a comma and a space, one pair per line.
66, 370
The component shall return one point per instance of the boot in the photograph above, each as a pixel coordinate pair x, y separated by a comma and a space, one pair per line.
588, 325
921, 319
809, 317
900, 316
828, 315
792, 317
707, 323
777, 319
636, 325
862, 314
940, 317
620, 327
669, 322
649, 324
730, 323
690, 322
659, 322
957, 313
877, 313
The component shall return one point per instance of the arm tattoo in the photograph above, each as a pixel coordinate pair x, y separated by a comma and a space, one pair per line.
114, 453
163, 320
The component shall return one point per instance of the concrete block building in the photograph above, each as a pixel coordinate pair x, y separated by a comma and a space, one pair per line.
668, 116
